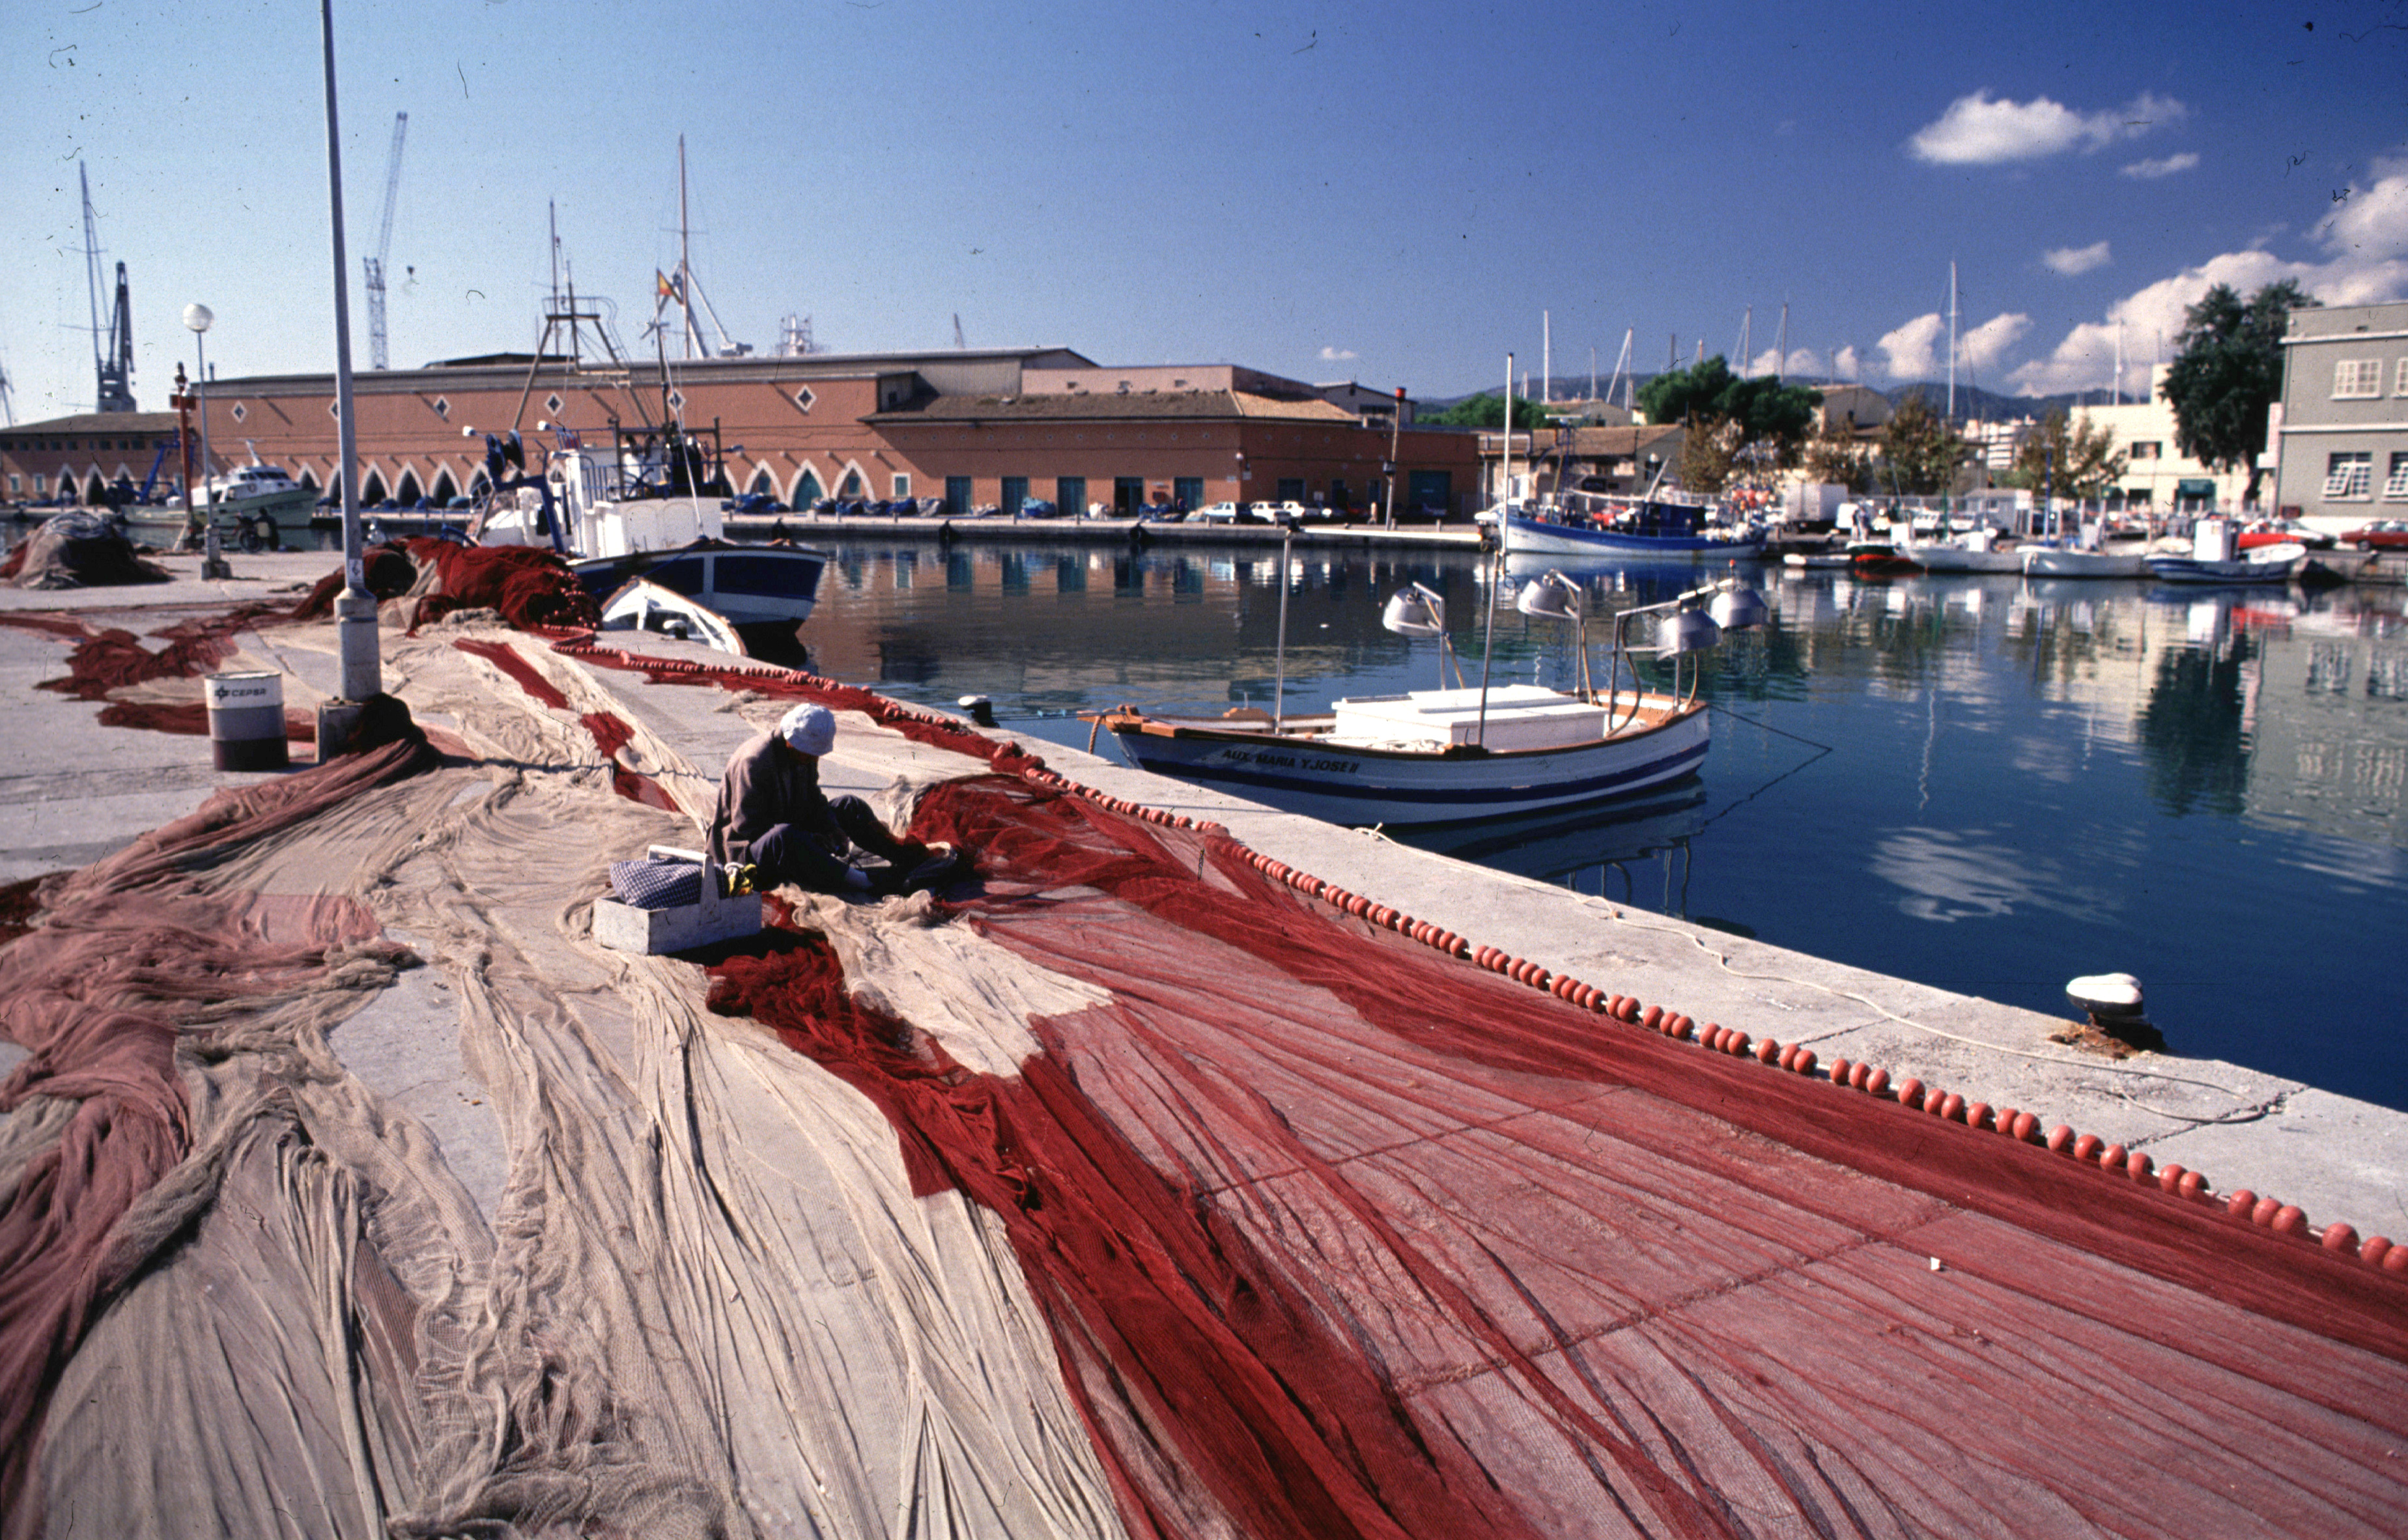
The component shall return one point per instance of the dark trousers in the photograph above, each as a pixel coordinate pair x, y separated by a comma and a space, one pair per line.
818, 859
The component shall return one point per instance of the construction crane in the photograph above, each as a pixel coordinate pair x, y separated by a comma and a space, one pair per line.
6, 406
112, 368
375, 265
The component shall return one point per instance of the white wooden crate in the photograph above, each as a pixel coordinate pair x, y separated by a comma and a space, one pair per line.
622, 927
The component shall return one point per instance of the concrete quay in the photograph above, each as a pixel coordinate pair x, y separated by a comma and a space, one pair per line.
76, 791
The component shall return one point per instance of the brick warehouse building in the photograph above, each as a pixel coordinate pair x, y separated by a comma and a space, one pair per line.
975, 428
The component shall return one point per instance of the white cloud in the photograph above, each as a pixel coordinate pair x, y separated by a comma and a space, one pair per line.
1919, 348
1983, 347
2070, 260
1801, 361
1910, 351
2149, 171
1977, 130
1847, 363
2365, 244
1334, 355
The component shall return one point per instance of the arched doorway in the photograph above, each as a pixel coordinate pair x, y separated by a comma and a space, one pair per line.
407, 492
95, 492
445, 489
372, 490
764, 484
807, 490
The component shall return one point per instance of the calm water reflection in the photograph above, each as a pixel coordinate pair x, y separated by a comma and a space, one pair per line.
1984, 784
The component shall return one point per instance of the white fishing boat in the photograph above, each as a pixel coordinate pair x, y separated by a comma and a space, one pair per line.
653, 506
244, 495
646, 605
2084, 561
1461, 752
1977, 551
2215, 559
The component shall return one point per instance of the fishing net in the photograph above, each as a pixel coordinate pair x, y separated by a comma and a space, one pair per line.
77, 551
1120, 1190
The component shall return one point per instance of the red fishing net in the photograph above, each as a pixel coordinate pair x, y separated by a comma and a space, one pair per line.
529, 587
1341, 1236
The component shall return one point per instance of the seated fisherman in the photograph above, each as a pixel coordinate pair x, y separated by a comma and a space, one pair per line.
773, 819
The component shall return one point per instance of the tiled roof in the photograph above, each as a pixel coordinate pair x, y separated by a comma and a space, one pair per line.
1138, 406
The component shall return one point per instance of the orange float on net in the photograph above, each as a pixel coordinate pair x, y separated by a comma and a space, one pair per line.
1951, 1107
1978, 1115
1654, 1018
1804, 1064
2138, 1165
2241, 1204
2262, 1212
2170, 1179
1877, 1082
2339, 1237
2112, 1157
2060, 1139
2375, 1249
2289, 1221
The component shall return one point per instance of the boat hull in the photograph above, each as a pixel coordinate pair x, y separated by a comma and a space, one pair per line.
1525, 536
748, 585
2045, 562
1954, 558
1365, 786
2188, 569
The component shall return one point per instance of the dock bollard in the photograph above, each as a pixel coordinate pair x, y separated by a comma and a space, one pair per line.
247, 720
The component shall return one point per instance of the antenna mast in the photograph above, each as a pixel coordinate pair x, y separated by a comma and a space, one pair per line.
375, 265
1952, 342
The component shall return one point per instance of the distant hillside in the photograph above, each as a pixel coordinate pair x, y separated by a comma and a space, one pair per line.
1974, 404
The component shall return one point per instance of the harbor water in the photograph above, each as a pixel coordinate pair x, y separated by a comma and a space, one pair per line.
1984, 784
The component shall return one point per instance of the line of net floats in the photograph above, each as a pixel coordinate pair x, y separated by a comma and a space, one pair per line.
2111, 1159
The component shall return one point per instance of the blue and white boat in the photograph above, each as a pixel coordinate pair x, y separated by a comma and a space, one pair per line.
2215, 560
1589, 524
1455, 754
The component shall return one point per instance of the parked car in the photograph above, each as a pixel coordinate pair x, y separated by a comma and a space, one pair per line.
2383, 535
1214, 513
2277, 531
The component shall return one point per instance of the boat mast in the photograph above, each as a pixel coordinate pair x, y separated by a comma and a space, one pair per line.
1489, 578
685, 256
1952, 341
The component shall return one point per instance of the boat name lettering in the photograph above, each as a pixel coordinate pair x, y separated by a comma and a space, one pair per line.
1291, 762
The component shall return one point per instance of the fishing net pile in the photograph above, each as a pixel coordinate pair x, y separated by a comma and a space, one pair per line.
1124, 1190
77, 551
525, 586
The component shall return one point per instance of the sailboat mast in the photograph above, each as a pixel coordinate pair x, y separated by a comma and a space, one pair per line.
1780, 344
685, 255
1952, 342
1488, 576
1547, 357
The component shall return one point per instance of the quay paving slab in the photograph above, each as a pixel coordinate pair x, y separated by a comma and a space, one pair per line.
2338, 1158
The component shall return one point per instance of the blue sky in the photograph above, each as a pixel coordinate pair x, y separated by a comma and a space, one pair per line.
1391, 193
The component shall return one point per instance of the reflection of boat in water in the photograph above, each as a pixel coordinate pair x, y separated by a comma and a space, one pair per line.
651, 507
1550, 846
1452, 755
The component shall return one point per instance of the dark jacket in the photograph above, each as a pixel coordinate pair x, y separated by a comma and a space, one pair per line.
766, 785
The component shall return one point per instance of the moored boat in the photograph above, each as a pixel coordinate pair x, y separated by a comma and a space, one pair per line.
1454, 754
1586, 524
1977, 551
2217, 557
2073, 562
651, 507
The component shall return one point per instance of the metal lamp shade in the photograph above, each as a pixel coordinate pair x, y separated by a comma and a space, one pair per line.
1415, 612
1739, 609
1690, 631
1549, 597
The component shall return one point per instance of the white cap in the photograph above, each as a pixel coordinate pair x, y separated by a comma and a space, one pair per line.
808, 729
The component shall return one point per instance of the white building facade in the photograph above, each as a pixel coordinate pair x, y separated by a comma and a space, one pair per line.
2342, 445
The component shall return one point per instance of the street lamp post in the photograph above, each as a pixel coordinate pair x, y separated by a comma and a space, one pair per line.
197, 319
355, 607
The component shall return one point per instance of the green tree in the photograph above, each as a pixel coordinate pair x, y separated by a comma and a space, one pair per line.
2068, 461
2228, 370
1728, 421
1837, 456
1920, 449
1485, 410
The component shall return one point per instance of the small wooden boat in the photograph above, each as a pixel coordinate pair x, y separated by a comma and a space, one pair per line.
1454, 754
645, 605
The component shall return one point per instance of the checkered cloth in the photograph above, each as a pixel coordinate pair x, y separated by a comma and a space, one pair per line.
657, 884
